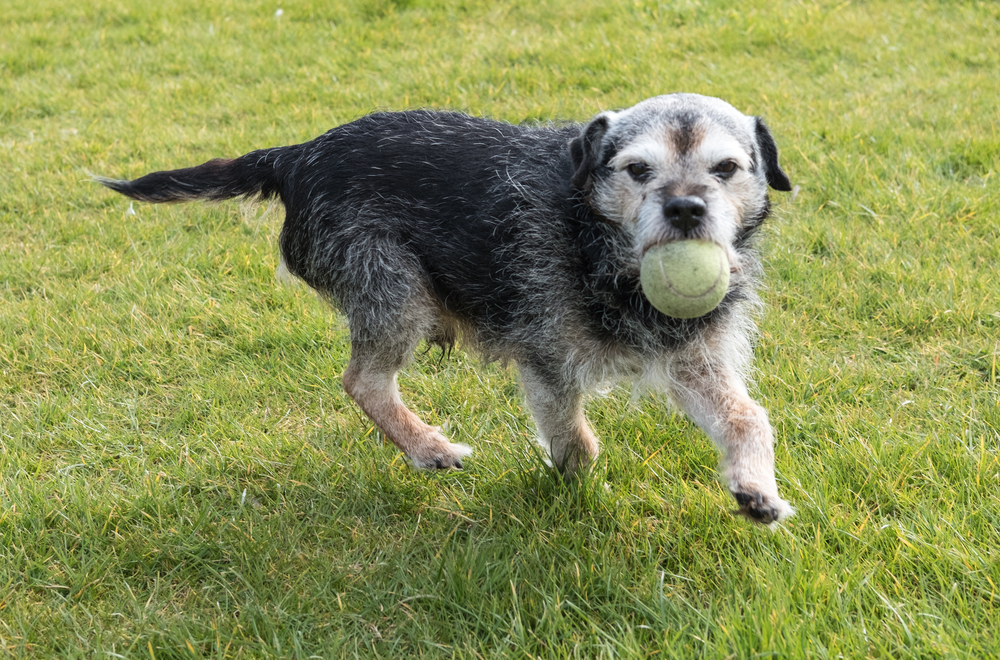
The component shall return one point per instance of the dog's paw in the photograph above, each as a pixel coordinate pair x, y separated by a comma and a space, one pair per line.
444, 456
762, 508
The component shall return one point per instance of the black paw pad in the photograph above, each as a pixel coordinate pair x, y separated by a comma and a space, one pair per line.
753, 506
447, 462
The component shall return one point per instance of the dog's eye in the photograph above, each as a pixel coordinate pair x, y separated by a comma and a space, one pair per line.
725, 169
639, 171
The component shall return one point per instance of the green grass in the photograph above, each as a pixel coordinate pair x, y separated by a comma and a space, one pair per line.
181, 474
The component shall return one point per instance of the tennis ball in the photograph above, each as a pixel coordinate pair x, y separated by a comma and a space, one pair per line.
685, 279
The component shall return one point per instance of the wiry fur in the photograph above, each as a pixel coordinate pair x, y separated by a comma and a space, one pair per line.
526, 243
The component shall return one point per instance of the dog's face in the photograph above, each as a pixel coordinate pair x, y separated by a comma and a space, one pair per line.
678, 166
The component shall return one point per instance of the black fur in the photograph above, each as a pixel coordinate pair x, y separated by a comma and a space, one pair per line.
254, 174
776, 177
587, 150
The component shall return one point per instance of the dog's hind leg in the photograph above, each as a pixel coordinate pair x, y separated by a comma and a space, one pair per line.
382, 289
370, 379
557, 407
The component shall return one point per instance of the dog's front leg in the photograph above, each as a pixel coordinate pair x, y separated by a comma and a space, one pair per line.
716, 398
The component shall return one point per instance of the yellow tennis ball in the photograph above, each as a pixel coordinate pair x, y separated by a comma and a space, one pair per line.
685, 279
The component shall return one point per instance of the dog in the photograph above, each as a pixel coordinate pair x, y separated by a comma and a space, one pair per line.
524, 243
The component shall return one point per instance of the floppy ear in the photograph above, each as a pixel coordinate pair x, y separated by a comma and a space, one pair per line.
776, 178
585, 149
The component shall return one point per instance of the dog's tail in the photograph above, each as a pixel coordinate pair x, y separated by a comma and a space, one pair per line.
258, 173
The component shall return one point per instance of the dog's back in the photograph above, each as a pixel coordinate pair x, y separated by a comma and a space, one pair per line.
447, 160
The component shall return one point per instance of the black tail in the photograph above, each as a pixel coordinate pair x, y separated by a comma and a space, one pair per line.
255, 174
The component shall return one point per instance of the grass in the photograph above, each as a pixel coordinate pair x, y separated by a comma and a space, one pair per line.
182, 475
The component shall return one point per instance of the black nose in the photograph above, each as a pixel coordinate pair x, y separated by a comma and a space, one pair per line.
685, 213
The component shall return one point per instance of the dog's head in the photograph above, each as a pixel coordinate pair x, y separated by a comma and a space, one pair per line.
678, 166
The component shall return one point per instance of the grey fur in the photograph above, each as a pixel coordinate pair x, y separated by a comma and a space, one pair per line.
525, 243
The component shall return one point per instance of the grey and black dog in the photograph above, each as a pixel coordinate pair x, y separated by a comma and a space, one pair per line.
525, 243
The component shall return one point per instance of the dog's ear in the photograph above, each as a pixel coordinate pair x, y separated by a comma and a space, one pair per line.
585, 149
776, 177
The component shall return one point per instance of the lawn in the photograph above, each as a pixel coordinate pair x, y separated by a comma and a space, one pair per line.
182, 475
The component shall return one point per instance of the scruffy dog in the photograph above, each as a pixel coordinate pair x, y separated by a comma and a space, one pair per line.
525, 243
